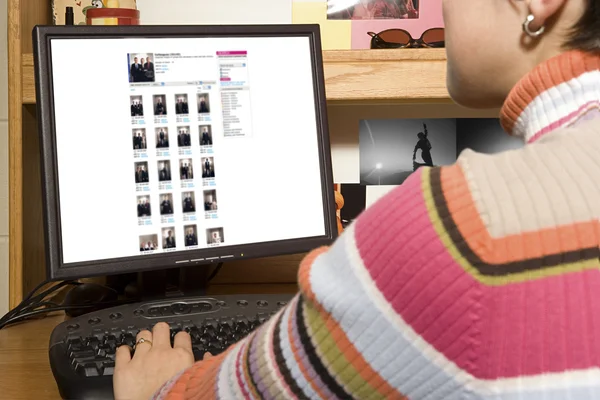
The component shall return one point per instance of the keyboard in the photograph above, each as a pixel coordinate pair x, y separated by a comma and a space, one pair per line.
82, 349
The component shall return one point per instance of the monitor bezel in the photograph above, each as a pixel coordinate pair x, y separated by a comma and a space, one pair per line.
55, 267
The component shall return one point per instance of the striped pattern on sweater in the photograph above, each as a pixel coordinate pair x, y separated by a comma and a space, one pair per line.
479, 280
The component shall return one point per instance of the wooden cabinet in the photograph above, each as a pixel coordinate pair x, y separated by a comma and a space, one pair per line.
360, 84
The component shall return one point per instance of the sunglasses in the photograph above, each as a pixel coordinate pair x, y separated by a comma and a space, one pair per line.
399, 38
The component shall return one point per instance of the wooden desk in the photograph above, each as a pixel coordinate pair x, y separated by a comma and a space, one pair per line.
24, 367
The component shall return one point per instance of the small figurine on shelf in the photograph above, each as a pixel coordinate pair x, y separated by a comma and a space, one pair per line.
109, 12
95, 4
339, 203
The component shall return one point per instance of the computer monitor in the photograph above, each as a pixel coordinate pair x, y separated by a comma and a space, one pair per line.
166, 146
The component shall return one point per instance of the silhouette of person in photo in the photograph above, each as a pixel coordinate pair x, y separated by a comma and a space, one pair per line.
425, 146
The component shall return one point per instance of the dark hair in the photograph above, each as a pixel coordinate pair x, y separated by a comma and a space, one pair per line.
585, 34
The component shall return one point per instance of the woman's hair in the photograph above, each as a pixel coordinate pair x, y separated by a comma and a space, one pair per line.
420, 135
585, 35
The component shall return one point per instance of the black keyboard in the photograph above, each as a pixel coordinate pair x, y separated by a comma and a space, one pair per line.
82, 349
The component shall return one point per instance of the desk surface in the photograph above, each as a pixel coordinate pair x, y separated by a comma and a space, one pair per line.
24, 367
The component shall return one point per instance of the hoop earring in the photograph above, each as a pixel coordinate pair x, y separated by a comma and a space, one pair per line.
528, 31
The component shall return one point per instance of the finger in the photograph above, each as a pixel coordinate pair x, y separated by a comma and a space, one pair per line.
161, 335
123, 356
183, 340
206, 356
143, 348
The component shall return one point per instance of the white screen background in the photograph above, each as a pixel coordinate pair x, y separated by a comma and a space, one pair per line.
268, 184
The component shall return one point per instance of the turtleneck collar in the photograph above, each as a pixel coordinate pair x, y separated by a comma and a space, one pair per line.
559, 92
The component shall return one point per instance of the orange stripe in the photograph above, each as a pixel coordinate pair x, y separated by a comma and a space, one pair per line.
304, 272
247, 376
353, 356
553, 72
515, 247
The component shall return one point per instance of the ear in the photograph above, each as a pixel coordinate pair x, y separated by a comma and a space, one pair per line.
542, 10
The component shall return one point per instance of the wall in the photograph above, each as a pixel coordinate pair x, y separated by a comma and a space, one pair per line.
3, 161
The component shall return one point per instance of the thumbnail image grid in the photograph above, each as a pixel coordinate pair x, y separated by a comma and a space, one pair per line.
156, 172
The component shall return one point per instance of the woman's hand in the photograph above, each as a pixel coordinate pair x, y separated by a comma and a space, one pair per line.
153, 363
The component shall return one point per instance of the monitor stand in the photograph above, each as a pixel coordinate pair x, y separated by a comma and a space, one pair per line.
160, 284
185, 281
146, 286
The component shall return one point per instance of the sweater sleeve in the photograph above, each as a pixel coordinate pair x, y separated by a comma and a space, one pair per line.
370, 310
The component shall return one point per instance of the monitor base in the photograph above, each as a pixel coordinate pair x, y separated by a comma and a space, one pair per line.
144, 286
185, 281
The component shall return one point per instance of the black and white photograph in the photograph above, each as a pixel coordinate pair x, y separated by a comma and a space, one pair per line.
137, 106
188, 201
186, 169
139, 138
141, 67
392, 149
143, 206
484, 135
181, 104
191, 235
355, 200
208, 167
148, 242
210, 200
160, 104
168, 238
162, 137
164, 170
203, 103
166, 204
206, 138
141, 172
215, 236
183, 136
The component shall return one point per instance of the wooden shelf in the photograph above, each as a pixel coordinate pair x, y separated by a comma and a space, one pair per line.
356, 76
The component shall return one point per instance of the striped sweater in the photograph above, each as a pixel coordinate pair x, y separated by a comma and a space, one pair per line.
478, 280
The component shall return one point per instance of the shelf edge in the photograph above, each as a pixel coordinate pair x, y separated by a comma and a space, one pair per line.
355, 76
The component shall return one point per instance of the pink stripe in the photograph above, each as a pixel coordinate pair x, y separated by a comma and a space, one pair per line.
547, 325
491, 332
238, 370
564, 120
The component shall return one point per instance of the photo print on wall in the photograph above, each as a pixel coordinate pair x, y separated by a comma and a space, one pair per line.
372, 9
484, 135
392, 149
